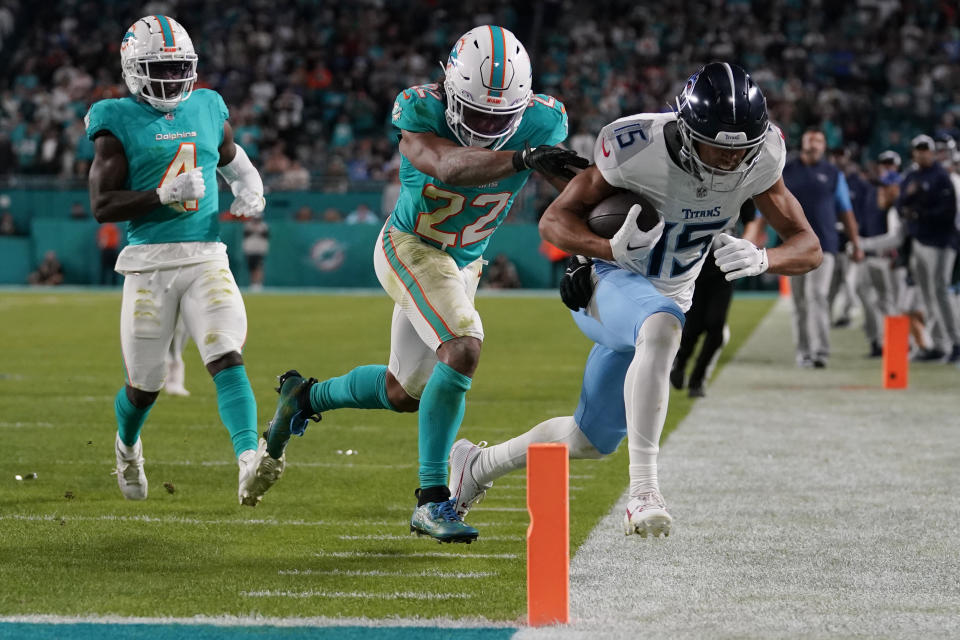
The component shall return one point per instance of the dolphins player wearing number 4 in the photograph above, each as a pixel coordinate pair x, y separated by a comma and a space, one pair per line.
469, 143
155, 166
696, 166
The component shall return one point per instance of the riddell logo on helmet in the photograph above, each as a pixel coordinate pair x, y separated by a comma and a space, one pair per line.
731, 136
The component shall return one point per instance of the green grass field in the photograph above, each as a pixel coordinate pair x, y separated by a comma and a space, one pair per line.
331, 538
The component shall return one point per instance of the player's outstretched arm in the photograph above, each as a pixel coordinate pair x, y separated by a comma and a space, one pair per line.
453, 164
564, 222
109, 201
244, 179
800, 251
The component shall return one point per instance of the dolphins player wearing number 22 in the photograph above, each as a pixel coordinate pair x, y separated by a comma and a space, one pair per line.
469, 143
156, 158
696, 166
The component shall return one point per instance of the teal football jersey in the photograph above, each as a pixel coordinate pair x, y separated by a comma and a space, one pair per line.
461, 219
160, 146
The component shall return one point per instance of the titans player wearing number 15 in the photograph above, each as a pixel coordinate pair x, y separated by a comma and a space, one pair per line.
157, 154
468, 147
696, 167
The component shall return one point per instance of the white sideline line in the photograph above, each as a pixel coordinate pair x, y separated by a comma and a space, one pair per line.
365, 595
375, 573
419, 554
390, 536
474, 622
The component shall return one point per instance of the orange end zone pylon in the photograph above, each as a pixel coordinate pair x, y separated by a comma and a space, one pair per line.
784, 286
548, 537
896, 351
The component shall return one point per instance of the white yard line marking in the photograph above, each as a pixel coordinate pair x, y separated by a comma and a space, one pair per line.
180, 521
500, 509
390, 536
232, 463
418, 554
433, 573
365, 595
28, 425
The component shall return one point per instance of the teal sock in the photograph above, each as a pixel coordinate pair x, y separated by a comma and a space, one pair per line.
238, 407
363, 388
130, 419
441, 411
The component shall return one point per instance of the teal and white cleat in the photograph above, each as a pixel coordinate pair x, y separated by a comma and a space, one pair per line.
258, 472
464, 490
130, 474
440, 521
647, 515
293, 412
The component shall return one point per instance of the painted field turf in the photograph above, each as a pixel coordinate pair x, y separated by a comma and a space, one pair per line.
331, 538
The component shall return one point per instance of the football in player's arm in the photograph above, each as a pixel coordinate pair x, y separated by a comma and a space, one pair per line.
696, 166
467, 148
156, 157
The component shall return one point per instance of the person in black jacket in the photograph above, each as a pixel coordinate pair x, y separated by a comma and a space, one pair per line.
929, 205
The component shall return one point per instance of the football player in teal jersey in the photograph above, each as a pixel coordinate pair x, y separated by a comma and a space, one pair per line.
468, 147
157, 154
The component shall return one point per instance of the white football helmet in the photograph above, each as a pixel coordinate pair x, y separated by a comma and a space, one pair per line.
158, 62
488, 85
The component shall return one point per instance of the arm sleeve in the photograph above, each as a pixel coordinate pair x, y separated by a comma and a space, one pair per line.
890, 240
842, 195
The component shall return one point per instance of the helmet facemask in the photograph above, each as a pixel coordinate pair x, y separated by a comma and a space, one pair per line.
477, 125
164, 82
715, 178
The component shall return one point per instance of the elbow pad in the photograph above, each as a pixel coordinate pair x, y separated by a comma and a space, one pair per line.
241, 175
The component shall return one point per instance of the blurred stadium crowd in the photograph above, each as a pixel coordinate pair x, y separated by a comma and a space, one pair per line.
310, 83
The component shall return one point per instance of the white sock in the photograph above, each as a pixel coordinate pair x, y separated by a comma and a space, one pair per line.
646, 391
508, 456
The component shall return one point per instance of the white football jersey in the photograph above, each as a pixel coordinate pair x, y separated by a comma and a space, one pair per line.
631, 153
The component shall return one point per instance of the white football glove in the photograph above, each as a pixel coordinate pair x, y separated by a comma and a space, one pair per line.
186, 186
248, 204
738, 258
631, 246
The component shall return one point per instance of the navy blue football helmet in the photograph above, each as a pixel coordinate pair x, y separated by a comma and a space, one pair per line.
722, 106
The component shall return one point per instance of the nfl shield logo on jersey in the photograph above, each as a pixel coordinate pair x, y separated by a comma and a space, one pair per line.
701, 192
169, 115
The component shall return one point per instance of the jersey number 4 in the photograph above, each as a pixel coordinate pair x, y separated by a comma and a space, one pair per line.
474, 232
185, 160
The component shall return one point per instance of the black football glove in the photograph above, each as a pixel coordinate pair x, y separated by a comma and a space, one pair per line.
550, 161
576, 287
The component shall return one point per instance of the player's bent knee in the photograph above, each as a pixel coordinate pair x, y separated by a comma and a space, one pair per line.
461, 354
232, 359
398, 396
141, 399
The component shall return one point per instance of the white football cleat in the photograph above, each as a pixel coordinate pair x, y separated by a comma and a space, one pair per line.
258, 472
130, 475
176, 390
647, 514
463, 488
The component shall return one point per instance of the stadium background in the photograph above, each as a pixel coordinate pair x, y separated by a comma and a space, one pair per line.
310, 85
